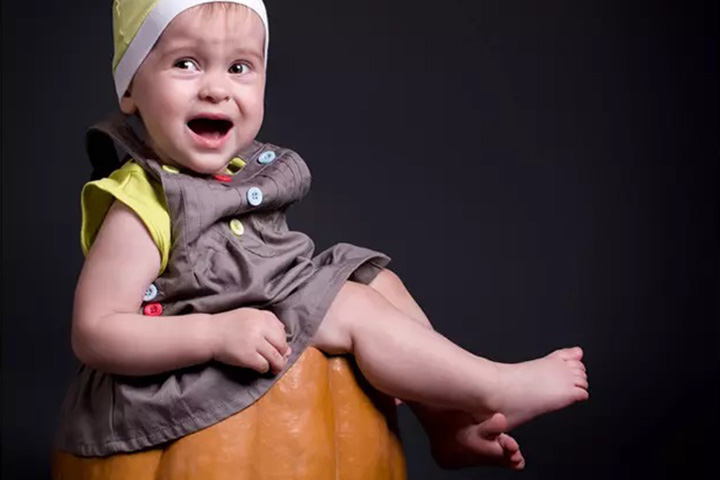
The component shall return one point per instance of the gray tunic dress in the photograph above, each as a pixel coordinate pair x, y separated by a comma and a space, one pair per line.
214, 266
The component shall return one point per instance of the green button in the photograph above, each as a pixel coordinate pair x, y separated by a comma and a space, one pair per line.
237, 227
171, 169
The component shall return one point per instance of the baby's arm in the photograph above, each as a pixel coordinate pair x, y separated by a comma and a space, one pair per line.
108, 334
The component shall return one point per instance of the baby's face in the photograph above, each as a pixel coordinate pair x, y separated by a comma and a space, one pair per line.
200, 90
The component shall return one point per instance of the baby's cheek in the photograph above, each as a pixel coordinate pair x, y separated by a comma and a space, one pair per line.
253, 96
258, 110
250, 123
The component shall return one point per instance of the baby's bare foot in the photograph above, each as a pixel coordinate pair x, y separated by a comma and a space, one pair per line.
458, 440
529, 389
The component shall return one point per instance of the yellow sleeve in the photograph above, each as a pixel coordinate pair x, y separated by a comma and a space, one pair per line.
130, 185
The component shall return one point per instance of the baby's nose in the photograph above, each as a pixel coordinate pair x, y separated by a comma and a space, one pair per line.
214, 89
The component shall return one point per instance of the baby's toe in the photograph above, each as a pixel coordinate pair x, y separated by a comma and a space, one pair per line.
493, 427
518, 464
581, 382
576, 364
574, 353
509, 444
581, 394
511, 450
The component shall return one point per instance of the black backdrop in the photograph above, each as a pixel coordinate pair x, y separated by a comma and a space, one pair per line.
542, 173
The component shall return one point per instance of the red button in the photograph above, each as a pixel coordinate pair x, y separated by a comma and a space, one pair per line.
153, 309
223, 178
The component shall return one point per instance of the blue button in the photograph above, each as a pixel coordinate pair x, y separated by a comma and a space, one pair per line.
150, 293
266, 157
255, 196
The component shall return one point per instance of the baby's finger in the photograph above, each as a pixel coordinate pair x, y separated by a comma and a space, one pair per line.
273, 357
278, 340
259, 363
273, 320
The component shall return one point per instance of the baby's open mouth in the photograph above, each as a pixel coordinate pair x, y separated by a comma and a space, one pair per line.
210, 127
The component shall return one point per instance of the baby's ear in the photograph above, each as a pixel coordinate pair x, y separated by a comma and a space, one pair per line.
127, 103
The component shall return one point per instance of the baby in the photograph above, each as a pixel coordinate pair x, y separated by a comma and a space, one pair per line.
198, 215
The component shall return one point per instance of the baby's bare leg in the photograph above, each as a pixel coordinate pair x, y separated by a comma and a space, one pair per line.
457, 439
403, 359
398, 356
390, 286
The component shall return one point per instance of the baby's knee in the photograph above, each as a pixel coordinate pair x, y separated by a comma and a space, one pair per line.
387, 281
334, 336
354, 303
356, 307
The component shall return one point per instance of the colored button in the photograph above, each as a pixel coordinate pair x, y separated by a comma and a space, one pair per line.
150, 293
266, 157
170, 168
235, 165
255, 196
153, 309
223, 178
237, 227
238, 162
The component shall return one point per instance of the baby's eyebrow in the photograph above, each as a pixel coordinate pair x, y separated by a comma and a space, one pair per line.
175, 46
248, 52
185, 46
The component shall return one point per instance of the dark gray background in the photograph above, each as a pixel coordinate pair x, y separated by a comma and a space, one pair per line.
542, 173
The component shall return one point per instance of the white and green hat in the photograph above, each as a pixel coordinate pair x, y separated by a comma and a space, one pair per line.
137, 25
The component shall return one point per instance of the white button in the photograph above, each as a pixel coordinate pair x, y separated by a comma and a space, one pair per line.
266, 157
150, 293
255, 196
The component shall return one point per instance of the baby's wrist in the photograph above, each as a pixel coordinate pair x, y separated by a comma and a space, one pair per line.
208, 335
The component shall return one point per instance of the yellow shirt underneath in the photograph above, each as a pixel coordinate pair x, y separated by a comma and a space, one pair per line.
131, 185
144, 196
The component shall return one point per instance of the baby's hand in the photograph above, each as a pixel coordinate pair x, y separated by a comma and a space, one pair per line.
251, 338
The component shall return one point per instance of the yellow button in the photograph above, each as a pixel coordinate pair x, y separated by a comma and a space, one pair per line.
237, 227
170, 168
236, 164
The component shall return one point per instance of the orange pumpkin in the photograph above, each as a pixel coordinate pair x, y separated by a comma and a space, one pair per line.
320, 421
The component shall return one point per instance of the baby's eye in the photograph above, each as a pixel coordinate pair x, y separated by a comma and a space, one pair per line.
239, 68
186, 64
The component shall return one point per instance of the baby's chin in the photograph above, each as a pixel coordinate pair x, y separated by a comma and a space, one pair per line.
203, 166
